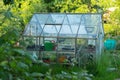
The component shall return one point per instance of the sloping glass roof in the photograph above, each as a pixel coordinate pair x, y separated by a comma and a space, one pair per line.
65, 25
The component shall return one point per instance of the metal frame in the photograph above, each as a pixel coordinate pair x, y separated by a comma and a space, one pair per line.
77, 35
65, 15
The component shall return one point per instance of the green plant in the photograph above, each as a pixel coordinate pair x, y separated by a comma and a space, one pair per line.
105, 68
15, 62
40, 68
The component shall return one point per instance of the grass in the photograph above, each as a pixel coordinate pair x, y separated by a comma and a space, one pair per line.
39, 68
106, 62
56, 68
99, 70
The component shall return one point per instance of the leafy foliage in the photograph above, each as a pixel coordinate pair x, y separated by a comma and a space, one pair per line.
8, 2
16, 63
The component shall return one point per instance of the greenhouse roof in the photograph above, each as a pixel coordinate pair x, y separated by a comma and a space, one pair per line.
65, 25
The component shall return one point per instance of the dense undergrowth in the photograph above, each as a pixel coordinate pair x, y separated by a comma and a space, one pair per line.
107, 68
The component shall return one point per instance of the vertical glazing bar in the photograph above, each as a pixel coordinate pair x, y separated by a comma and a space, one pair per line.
54, 23
69, 24
30, 30
98, 43
79, 25
44, 24
97, 50
58, 39
38, 21
101, 22
61, 25
26, 27
77, 53
75, 48
36, 30
40, 54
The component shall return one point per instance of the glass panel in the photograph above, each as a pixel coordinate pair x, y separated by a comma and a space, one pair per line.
68, 30
33, 19
27, 30
82, 30
38, 30
33, 29
74, 18
56, 19
41, 18
90, 23
67, 25
49, 20
50, 30
65, 29
65, 44
58, 27
87, 36
101, 26
74, 28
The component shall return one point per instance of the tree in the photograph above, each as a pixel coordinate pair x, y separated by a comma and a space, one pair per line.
15, 62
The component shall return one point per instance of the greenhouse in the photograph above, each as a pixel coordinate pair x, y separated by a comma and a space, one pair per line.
55, 37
